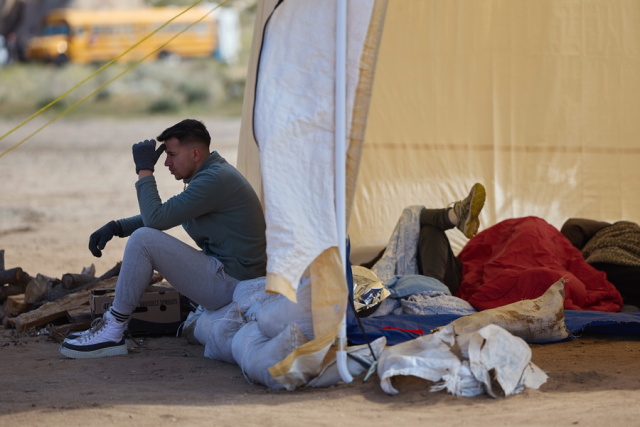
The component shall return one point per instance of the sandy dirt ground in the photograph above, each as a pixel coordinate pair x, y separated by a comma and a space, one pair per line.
76, 175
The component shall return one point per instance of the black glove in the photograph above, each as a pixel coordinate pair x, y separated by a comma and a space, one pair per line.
145, 154
98, 240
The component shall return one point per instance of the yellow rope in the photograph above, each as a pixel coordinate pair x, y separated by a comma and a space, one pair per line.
135, 64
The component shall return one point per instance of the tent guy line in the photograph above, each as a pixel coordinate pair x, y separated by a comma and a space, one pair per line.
99, 70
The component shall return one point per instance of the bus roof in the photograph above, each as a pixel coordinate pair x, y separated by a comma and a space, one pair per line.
150, 15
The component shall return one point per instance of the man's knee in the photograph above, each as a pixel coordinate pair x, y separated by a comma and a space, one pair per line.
143, 235
429, 233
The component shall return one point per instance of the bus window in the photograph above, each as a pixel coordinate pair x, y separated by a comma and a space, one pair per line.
56, 29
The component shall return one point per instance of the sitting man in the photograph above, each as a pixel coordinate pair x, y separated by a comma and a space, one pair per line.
218, 209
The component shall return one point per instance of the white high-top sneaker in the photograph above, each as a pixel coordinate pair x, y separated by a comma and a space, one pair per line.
105, 338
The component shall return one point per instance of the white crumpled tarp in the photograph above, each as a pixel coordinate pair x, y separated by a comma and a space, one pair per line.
258, 329
489, 360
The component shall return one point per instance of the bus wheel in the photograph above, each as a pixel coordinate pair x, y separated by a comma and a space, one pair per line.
60, 60
168, 57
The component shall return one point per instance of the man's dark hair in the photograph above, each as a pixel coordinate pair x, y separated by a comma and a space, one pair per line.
187, 131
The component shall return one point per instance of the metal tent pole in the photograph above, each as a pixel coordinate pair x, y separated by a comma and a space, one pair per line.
340, 166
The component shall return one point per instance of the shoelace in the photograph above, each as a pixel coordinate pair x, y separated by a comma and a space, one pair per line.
460, 209
463, 209
96, 325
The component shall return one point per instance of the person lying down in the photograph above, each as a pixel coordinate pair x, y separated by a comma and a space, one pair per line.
515, 259
418, 266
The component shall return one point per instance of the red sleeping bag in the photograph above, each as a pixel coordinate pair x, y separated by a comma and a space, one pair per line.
520, 258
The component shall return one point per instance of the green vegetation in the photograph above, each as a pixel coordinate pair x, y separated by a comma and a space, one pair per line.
158, 87
163, 86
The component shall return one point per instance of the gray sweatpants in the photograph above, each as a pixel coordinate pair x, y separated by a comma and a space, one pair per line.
191, 272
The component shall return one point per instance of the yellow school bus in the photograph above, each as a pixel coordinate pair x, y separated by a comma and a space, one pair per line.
87, 36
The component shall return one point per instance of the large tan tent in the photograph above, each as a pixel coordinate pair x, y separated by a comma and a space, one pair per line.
537, 99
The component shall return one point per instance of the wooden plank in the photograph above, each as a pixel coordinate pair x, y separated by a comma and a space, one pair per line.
11, 289
15, 304
49, 312
14, 276
59, 308
72, 281
36, 289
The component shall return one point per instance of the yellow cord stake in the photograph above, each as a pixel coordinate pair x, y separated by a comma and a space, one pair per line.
99, 70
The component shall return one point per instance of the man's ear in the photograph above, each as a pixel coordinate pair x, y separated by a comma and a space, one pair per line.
196, 154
